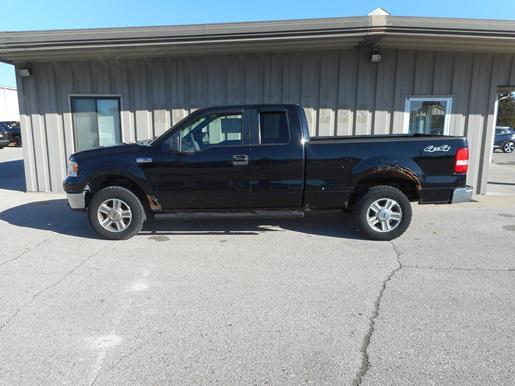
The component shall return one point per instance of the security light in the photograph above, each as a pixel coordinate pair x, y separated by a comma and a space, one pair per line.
376, 56
24, 72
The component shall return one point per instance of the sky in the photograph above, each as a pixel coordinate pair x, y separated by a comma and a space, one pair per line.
17, 15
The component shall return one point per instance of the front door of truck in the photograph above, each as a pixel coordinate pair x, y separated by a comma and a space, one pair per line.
204, 163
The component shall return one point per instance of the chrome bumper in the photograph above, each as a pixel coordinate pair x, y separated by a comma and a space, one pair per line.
462, 194
76, 200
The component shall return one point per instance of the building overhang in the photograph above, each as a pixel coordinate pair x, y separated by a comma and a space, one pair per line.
361, 32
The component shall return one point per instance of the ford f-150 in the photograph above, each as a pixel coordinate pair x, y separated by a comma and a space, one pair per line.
261, 160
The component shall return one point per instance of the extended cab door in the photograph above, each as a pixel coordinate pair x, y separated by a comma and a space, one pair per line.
210, 168
277, 158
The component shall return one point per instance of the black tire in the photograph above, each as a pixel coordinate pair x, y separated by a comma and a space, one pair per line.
380, 195
508, 147
17, 142
129, 201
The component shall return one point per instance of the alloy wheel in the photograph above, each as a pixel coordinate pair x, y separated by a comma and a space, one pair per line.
384, 215
114, 215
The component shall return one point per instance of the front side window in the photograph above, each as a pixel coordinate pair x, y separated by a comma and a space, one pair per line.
427, 116
96, 121
273, 127
211, 130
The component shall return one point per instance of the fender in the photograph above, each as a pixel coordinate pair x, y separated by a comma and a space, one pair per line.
133, 174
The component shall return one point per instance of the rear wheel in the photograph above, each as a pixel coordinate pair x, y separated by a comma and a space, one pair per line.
508, 147
383, 213
17, 141
116, 213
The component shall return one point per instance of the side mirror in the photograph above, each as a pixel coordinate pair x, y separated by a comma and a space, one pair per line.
172, 145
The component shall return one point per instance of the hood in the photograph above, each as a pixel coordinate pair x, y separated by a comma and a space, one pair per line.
107, 151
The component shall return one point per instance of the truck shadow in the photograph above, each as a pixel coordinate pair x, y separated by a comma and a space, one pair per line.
12, 175
55, 216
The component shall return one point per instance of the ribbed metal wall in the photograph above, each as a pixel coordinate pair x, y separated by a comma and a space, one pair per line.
344, 94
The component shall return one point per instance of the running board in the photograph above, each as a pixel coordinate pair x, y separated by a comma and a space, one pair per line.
212, 215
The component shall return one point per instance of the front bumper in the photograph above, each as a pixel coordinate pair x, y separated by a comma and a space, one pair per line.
4, 141
76, 201
462, 194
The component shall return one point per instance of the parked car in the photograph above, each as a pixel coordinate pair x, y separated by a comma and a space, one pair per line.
260, 160
5, 136
504, 139
11, 130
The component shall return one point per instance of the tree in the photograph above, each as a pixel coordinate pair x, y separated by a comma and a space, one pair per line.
506, 112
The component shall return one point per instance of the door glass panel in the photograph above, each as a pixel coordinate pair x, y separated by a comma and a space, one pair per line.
212, 130
85, 117
273, 127
108, 122
427, 117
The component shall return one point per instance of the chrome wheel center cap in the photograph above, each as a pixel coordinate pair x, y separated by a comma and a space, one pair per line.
115, 215
383, 215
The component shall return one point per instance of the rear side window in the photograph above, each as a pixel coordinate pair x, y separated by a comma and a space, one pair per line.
273, 127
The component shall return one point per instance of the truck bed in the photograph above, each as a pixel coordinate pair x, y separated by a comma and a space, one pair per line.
336, 166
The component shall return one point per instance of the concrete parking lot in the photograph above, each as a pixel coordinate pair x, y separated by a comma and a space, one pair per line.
501, 175
245, 302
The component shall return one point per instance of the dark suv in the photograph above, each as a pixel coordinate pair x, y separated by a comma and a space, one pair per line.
504, 139
10, 133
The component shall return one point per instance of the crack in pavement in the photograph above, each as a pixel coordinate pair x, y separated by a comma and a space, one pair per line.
27, 250
121, 359
365, 360
54, 284
458, 269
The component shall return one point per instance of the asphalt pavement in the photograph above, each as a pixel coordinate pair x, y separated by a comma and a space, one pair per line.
245, 302
501, 174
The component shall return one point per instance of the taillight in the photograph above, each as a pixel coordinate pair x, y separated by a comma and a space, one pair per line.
461, 164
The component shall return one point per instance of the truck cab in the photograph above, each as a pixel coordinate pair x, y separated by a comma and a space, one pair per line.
231, 158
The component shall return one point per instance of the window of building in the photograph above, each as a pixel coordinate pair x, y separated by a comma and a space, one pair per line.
427, 116
96, 121
273, 127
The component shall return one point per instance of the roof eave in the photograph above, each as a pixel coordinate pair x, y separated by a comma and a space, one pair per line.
398, 31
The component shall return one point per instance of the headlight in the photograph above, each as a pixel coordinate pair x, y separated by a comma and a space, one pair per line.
72, 168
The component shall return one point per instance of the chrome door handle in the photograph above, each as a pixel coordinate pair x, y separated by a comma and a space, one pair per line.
240, 160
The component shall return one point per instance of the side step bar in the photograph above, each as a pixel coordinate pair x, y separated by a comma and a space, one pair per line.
214, 215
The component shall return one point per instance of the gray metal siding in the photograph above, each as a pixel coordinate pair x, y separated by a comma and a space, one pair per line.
344, 94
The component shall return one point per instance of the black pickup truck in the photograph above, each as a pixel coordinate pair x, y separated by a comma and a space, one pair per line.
260, 160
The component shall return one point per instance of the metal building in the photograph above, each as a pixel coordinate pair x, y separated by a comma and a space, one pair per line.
357, 75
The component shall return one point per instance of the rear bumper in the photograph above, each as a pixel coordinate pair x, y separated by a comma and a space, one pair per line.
76, 201
462, 194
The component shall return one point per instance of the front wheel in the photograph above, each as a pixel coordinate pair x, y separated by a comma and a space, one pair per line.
508, 147
383, 213
116, 213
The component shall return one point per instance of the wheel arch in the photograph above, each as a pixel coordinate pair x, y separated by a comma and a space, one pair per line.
99, 182
397, 177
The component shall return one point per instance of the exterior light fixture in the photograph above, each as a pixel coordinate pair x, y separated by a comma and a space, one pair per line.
24, 72
376, 56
